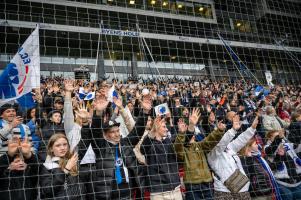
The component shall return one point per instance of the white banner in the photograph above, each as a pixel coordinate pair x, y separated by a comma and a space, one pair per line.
269, 78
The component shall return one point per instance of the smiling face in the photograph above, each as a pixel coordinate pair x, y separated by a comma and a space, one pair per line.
113, 134
9, 114
60, 147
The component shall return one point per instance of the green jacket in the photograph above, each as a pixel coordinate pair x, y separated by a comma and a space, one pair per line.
194, 156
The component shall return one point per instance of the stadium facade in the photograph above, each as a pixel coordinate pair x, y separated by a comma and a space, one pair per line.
158, 37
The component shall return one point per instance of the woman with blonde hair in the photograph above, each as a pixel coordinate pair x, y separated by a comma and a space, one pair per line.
263, 185
59, 173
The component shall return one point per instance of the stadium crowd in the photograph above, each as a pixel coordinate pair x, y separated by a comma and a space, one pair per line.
163, 139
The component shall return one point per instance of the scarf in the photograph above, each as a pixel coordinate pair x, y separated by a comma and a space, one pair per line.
266, 167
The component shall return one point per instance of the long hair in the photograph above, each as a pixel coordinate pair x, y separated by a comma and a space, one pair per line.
63, 161
242, 152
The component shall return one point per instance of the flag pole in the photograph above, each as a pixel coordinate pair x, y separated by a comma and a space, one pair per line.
232, 59
150, 53
249, 71
97, 53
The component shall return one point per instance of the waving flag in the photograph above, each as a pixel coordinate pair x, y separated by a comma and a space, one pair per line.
90, 96
111, 94
234, 57
22, 74
26, 101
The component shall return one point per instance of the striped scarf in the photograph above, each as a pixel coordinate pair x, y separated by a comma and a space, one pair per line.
267, 168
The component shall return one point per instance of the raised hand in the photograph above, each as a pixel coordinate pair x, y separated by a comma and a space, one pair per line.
255, 123
69, 85
100, 103
26, 148
82, 113
194, 116
208, 108
118, 102
13, 145
182, 126
72, 162
236, 122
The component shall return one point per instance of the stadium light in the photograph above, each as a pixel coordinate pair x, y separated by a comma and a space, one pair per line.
201, 9
110, 0
173, 57
164, 3
180, 6
132, 2
238, 24
153, 2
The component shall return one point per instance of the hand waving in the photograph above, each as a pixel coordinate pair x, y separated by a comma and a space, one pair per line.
255, 123
182, 126
118, 102
83, 113
100, 103
72, 162
26, 148
69, 85
194, 116
236, 122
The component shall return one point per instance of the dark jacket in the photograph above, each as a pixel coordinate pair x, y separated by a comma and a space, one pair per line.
162, 172
294, 135
104, 178
55, 184
18, 184
278, 162
260, 184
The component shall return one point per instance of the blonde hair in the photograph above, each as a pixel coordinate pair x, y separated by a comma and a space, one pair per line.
63, 161
242, 152
269, 134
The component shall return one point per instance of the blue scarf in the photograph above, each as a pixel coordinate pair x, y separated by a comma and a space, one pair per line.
118, 163
271, 176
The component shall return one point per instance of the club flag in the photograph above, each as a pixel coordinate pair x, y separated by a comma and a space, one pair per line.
162, 109
22, 74
258, 89
111, 94
90, 96
26, 101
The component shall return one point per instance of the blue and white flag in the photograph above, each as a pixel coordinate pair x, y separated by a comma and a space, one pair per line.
90, 96
234, 57
82, 93
162, 109
26, 101
111, 94
260, 89
22, 74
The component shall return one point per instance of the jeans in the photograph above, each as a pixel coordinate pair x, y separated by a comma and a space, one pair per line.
199, 191
290, 193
